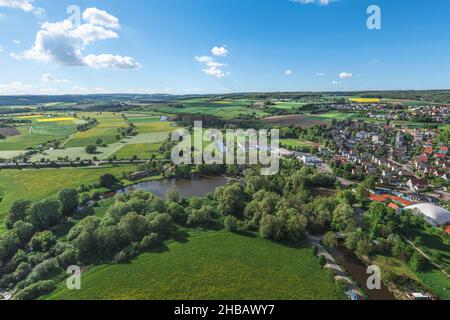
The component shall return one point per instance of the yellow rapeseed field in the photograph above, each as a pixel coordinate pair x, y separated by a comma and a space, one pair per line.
57, 119
365, 100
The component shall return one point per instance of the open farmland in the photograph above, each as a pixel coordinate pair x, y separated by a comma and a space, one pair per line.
303, 121
30, 136
105, 152
140, 150
213, 265
106, 130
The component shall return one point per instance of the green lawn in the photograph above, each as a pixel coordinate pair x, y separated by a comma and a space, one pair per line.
214, 265
38, 184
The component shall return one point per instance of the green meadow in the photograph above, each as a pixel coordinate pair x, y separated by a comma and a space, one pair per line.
37, 184
212, 265
140, 150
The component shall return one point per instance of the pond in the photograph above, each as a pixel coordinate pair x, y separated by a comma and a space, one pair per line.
196, 187
358, 271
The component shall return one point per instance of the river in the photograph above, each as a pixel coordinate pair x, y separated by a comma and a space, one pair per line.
358, 271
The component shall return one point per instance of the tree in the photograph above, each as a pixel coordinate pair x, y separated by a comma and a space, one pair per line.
45, 213
364, 247
91, 149
133, 226
173, 195
329, 240
231, 199
42, 241
108, 181
343, 217
272, 227
24, 231
17, 212
9, 243
69, 201
231, 223
418, 262
99, 142
200, 217
296, 226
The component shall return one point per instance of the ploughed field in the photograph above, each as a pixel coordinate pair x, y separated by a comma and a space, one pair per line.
211, 265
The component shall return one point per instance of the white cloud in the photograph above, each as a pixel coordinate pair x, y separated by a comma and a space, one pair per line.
2, 16
15, 88
25, 5
289, 72
16, 42
345, 75
213, 67
336, 82
320, 74
100, 18
63, 43
220, 51
321, 2
49, 78
1, 49
110, 61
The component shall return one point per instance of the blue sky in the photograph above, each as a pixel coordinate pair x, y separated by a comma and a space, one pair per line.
166, 46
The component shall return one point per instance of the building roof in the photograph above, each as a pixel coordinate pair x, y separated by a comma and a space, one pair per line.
436, 214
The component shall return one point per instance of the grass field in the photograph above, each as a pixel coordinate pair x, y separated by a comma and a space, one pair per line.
106, 130
38, 184
295, 143
40, 133
104, 153
214, 265
140, 150
437, 281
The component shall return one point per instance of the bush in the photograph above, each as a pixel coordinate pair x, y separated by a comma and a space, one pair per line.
149, 242
44, 270
35, 290
322, 261
315, 250
231, 223
42, 241
418, 262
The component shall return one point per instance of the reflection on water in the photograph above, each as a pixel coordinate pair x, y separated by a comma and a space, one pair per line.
358, 271
197, 187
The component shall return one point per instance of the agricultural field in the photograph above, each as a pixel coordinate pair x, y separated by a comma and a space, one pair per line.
140, 150
41, 129
213, 265
106, 130
105, 152
38, 184
304, 121
295, 143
